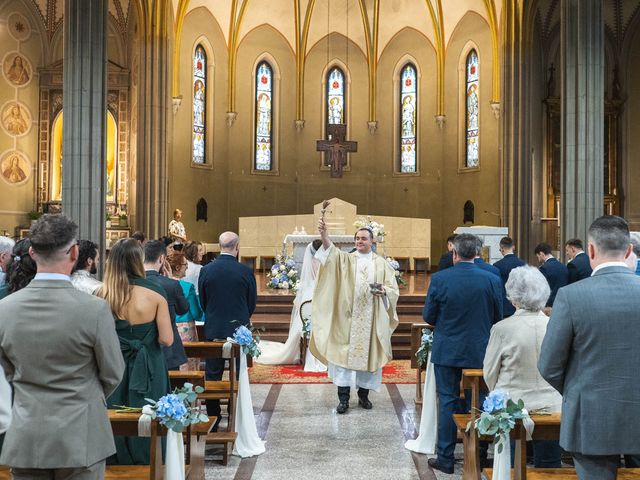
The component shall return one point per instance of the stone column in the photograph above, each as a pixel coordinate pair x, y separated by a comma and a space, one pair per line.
84, 136
516, 193
151, 183
582, 111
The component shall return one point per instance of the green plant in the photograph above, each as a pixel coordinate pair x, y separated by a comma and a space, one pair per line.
34, 215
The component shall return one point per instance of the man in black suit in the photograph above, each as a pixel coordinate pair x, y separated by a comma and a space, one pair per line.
155, 254
446, 260
578, 264
555, 272
508, 262
462, 304
228, 297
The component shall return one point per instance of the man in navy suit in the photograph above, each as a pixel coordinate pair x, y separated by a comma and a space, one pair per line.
508, 262
555, 272
155, 254
481, 263
228, 297
578, 264
462, 304
446, 260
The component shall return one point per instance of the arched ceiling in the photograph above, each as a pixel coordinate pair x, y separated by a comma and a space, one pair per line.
330, 16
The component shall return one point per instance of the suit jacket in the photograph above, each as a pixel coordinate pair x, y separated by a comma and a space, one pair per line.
590, 355
227, 296
175, 354
60, 349
505, 265
446, 261
511, 360
557, 276
462, 303
487, 266
579, 268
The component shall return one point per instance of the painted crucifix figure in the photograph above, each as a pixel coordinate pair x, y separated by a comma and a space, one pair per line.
336, 148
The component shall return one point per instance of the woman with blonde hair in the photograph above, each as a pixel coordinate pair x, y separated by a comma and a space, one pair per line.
143, 325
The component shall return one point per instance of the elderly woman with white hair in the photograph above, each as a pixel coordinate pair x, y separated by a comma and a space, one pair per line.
511, 359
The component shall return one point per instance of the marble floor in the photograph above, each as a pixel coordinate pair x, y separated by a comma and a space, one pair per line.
305, 438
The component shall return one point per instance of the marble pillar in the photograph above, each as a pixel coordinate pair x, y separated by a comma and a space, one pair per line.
582, 113
84, 136
154, 103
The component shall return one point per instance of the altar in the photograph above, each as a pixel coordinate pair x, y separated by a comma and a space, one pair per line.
299, 244
262, 238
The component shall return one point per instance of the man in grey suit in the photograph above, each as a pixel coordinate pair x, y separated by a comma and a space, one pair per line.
59, 348
590, 355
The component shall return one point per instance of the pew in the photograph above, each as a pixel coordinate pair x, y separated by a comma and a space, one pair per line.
223, 390
473, 379
178, 378
416, 341
547, 427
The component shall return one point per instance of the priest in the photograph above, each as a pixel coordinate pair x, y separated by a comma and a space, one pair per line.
353, 315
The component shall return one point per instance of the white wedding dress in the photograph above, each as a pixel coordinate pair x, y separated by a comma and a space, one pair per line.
275, 353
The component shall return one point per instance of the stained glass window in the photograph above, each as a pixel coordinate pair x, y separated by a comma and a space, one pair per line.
199, 104
264, 117
408, 124
472, 158
335, 96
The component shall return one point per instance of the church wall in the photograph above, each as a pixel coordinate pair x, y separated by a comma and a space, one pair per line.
410, 195
187, 183
481, 186
16, 199
631, 133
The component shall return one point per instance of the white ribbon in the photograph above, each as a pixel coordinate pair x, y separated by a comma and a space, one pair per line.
144, 422
226, 348
426, 441
502, 460
174, 457
248, 443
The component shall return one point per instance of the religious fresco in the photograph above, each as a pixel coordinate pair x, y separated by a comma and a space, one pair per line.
472, 112
17, 69
15, 118
19, 26
408, 107
15, 168
264, 117
199, 104
335, 97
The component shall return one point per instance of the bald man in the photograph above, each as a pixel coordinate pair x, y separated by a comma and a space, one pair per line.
228, 297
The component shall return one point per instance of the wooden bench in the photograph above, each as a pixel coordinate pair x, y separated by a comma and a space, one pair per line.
178, 378
249, 262
266, 263
473, 379
421, 264
223, 390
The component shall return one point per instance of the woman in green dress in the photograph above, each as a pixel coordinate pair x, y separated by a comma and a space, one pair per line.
143, 325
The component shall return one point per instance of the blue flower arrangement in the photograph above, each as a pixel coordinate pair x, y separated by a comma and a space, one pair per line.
396, 266
243, 336
425, 347
176, 410
283, 273
498, 417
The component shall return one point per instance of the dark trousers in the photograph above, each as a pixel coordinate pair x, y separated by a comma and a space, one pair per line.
546, 453
344, 393
449, 402
214, 367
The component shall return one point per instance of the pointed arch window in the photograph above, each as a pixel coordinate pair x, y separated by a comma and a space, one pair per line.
199, 105
264, 117
408, 119
336, 94
472, 111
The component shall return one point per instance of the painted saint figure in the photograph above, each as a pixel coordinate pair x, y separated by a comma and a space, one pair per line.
14, 121
14, 173
18, 74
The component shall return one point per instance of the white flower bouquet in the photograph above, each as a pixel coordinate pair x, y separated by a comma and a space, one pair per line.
377, 229
283, 274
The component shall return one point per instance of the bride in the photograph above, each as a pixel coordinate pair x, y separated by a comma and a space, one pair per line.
274, 353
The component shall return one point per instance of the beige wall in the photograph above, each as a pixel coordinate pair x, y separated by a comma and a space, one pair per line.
630, 134
16, 201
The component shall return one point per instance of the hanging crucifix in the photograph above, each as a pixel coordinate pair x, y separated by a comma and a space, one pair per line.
336, 148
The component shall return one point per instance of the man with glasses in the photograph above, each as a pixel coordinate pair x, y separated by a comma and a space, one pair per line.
59, 348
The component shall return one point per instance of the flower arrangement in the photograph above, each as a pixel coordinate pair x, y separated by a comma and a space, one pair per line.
498, 417
283, 274
176, 410
399, 275
425, 347
377, 229
243, 336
